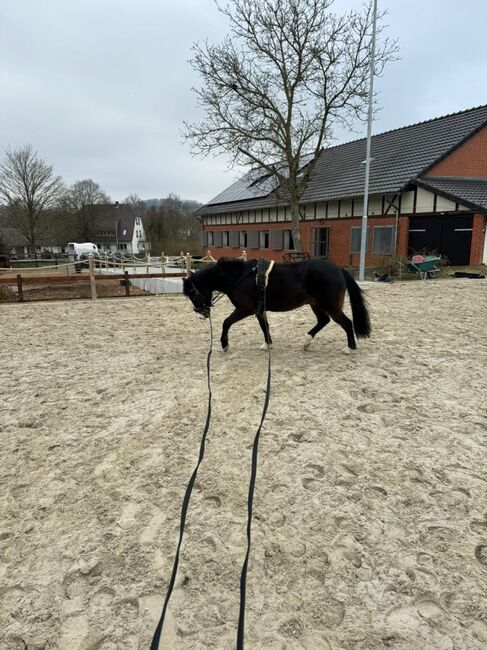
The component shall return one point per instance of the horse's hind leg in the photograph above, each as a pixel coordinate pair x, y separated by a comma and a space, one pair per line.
345, 322
264, 326
323, 319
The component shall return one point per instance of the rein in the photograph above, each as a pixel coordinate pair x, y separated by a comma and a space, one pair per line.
250, 499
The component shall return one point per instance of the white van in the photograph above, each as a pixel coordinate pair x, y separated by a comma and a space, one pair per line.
81, 251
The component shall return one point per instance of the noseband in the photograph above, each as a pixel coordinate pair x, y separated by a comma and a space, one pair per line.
198, 299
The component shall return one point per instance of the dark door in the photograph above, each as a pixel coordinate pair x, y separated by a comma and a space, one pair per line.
424, 235
456, 239
449, 236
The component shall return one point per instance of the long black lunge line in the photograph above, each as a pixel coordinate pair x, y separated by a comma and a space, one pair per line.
184, 510
187, 496
250, 500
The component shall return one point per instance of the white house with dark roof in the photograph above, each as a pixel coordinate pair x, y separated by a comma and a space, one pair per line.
118, 229
428, 193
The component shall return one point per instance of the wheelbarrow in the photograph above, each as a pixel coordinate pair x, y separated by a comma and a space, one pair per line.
425, 265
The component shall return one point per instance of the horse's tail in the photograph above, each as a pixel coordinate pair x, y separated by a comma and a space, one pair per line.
360, 313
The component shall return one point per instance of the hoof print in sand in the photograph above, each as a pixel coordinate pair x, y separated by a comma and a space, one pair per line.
481, 554
213, 501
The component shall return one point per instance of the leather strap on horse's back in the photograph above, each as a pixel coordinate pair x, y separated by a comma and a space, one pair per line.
263, 269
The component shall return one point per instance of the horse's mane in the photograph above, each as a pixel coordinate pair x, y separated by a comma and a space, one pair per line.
225, 269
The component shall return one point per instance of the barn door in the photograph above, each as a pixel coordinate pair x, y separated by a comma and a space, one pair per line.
449, 236
456, 239
424, 235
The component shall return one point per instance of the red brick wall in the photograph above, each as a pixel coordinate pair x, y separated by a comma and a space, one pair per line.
267, 254
478, 235
468, 160
340, 234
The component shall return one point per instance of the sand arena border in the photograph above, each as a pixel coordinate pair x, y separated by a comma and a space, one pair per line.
370, 520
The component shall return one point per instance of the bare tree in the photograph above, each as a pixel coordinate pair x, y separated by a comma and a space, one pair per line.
273, 90
29, 188
79, 201
136, 203
171, 225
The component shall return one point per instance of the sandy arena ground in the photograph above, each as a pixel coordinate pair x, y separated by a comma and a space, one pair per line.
370, 527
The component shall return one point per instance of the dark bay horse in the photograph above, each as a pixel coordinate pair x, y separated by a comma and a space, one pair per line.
318, 283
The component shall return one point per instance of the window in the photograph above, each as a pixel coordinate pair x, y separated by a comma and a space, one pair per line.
210, 238
242, 239
137, 221
384, 240
253, 238
320, 241
225, 238
356, 238
277, 240
233, 238
288, 240
123, 247
264, 239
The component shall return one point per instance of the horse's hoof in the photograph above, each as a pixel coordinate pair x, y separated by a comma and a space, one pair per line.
225, 349
349, 350
264, 346
307, 341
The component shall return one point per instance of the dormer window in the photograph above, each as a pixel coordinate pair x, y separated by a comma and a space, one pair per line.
124, 231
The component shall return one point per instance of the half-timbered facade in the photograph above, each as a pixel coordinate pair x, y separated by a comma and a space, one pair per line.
428, 193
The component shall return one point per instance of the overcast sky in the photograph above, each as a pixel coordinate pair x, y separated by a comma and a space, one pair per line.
101, 87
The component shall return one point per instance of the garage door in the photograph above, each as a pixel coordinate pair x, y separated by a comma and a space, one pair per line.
449, 236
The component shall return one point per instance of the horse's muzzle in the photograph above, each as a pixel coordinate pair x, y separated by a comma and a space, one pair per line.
203, 313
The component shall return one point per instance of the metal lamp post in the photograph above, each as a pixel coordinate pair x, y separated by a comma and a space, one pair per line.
363, 239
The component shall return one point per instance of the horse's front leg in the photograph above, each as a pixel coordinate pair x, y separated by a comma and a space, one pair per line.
264, 326
234, 317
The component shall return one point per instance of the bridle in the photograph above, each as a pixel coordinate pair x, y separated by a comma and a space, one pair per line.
199, 301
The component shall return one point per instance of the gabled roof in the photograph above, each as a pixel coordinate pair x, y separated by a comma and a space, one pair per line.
250, 186
397, 156
471, 192
254, 184
13, 237
107, 216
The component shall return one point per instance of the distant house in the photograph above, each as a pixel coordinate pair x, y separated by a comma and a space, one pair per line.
118, 229
16, 245
428, 192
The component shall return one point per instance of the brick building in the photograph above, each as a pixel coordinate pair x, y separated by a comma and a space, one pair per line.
428, 193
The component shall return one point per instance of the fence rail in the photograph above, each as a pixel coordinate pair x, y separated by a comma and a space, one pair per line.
20, 281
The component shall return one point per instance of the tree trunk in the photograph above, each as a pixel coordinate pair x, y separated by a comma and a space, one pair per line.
296, 230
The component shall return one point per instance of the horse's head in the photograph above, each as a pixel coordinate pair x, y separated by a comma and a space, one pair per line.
199, 295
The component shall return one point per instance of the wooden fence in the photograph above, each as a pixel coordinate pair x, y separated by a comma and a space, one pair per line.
20, 281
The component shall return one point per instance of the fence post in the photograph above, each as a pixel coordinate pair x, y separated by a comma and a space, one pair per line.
19, 287
92, 277
147, 262
188, 264
127, 283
